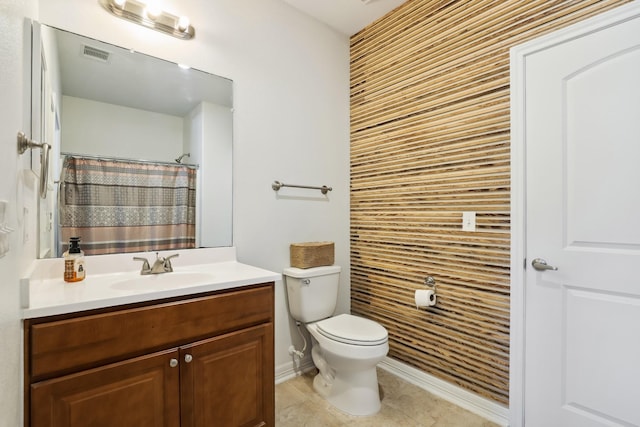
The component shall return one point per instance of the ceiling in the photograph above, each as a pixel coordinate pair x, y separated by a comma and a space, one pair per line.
346, 16
132, 79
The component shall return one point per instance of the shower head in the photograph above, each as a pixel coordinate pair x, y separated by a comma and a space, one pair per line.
179, 159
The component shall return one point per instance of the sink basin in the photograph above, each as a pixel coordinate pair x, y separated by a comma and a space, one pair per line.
176, 279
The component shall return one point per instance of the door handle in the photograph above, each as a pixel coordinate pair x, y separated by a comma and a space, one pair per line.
541, 265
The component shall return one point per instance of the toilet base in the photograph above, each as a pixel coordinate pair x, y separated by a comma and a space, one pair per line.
355, 393
321, 386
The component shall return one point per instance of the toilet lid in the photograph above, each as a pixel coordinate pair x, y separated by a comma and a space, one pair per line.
351, 329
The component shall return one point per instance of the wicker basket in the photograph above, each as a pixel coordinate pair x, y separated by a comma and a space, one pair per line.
311, 254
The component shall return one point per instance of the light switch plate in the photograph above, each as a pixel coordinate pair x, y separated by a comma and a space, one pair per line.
468, 221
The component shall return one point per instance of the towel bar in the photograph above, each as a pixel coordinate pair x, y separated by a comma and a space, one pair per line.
277, 185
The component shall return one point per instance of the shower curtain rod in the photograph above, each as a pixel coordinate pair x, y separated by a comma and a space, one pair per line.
153, 162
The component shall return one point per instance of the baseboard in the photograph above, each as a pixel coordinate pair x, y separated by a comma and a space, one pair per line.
486, 408
289, 370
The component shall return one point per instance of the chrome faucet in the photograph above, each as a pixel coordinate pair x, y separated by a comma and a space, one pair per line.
161, 264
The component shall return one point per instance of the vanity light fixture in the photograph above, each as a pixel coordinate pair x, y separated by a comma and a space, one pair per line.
149, 17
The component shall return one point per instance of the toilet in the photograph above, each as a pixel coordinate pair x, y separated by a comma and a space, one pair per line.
345, 348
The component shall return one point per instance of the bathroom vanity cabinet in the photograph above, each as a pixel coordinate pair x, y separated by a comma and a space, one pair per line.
201, 360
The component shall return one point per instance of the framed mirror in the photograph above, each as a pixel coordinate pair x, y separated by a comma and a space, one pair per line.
97, 100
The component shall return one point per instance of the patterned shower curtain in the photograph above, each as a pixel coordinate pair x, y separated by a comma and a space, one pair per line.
117, 206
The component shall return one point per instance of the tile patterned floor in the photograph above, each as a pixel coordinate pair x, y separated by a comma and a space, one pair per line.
403, 404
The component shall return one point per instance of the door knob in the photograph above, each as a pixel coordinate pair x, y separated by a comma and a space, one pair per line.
188, 358
173, 363
541, 265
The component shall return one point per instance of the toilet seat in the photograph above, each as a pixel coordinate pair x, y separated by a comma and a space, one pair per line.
349, 329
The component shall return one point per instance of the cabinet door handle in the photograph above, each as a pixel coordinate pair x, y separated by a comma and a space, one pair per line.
173, 363
188, 358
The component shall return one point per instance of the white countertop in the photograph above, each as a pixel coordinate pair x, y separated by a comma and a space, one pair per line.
115, 280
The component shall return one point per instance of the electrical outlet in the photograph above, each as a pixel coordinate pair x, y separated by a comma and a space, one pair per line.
468, 221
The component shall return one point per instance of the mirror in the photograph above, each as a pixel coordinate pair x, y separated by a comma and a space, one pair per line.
100, 100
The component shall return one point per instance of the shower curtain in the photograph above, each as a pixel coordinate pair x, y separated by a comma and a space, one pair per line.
117, 206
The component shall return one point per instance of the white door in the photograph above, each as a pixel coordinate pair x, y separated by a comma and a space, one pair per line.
582, 207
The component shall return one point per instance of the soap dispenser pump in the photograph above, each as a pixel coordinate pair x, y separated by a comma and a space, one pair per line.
74, 270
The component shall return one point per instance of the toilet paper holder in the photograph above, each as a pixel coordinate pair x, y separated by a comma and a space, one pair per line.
429, 281
426, 297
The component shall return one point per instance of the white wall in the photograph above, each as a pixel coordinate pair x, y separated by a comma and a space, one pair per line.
87, 127
18, 188
208, 135
291, 120
216, 152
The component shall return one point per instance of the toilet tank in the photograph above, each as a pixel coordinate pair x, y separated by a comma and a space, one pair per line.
312, 292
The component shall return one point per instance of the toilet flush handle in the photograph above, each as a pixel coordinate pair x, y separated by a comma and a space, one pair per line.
306, 281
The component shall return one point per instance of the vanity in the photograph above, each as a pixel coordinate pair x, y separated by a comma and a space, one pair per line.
194, 347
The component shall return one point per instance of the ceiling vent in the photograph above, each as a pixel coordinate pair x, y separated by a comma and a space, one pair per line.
95, 53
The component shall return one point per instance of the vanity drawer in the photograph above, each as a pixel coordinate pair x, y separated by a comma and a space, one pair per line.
69, 345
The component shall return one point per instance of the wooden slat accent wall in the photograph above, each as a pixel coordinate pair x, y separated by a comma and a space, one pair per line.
429, 140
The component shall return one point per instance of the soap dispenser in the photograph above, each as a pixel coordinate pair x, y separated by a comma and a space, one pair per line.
74, 270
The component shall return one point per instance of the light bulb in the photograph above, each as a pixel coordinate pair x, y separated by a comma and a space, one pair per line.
183, 23
152, 11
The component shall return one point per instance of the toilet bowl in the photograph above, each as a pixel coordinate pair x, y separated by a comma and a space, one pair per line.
349, 380
345, 348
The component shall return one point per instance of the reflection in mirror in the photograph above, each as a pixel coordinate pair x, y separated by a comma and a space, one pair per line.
102, 101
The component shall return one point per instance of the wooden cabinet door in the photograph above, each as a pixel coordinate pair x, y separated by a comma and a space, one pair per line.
140, 392
228, 381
